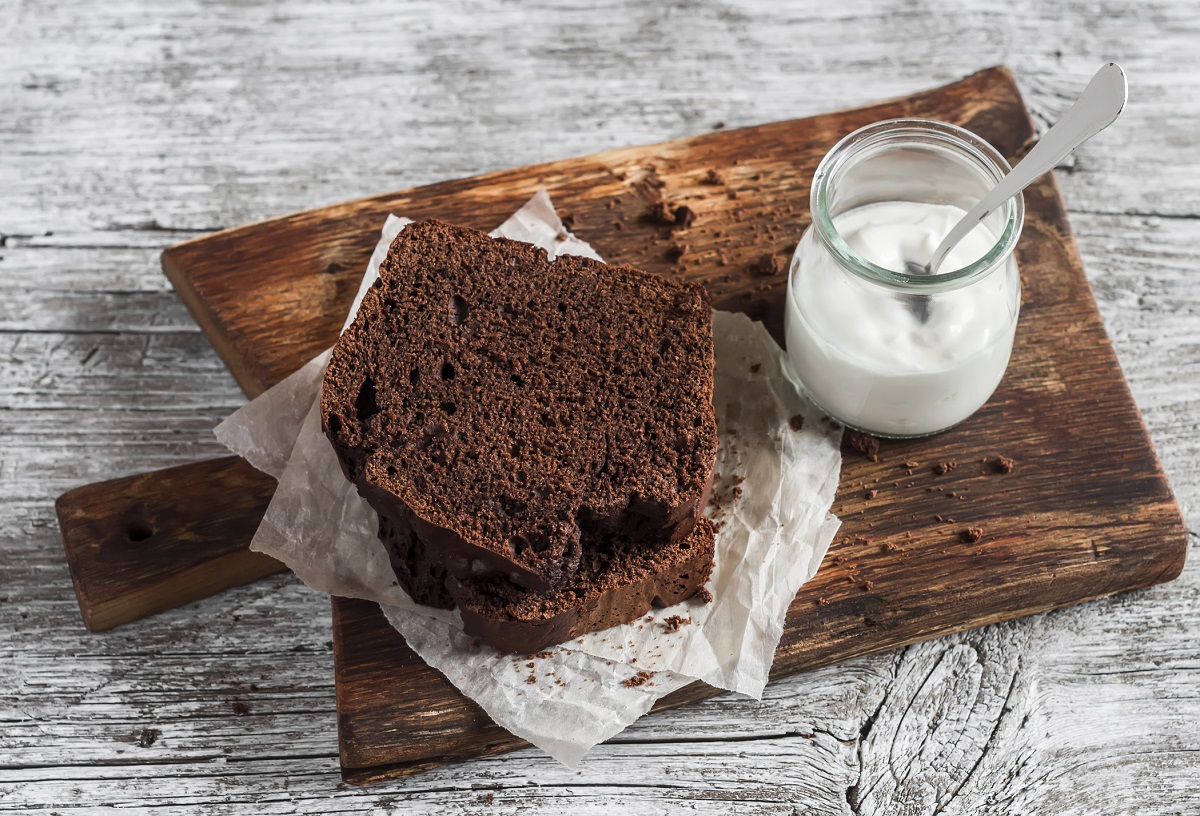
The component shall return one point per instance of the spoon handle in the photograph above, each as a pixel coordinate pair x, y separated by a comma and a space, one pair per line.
1096, 109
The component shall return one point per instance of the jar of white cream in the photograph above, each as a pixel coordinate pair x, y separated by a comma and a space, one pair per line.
877, 347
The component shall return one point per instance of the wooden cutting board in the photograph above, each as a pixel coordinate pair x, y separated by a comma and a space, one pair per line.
1086, 511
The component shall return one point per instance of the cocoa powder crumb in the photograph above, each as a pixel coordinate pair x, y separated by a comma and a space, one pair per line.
971, 535
942, 468
638, 679
796, 423
1004, 464
865, 444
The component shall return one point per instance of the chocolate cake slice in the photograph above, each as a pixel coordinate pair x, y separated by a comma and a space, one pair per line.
617, 582
513, 410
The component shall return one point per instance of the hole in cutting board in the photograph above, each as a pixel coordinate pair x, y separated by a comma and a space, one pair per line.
138, 531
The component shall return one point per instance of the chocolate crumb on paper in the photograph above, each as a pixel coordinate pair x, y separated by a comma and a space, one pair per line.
754, 369
639, 679
796, 423
704, 595
672, 623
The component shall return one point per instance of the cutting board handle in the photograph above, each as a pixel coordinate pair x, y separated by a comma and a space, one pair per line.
144, 544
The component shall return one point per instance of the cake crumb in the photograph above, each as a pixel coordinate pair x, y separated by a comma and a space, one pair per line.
942, 468
796, 423
768, 265
868, 585
971, 535
891, 546
531, 680
911, 465
673, 623
704, 595
865, 444
676, 251
489, 798
822, 602
872, 494
1005, 464
713, 177
754, 369
638, 679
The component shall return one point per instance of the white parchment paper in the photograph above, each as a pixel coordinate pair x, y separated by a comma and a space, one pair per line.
777, 468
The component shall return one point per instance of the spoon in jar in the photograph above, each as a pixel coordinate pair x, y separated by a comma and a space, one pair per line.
1097, 107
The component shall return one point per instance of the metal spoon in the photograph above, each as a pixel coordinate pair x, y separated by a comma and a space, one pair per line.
1097, 107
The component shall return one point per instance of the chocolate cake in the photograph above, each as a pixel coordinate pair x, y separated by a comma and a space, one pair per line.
513, 414
617, 582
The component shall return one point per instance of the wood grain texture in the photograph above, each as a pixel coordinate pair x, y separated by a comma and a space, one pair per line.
269, 295
128, 127
144, 544
1072, 523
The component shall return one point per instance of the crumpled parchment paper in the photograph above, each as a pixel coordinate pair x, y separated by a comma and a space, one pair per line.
777, 471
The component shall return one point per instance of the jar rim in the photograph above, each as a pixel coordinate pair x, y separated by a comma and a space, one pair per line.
906, 132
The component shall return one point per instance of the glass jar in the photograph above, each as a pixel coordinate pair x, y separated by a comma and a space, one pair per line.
880, 349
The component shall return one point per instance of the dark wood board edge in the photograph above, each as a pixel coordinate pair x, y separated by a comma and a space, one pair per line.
154, 541
208, 321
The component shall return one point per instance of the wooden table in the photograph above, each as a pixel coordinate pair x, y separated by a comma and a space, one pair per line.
126, 127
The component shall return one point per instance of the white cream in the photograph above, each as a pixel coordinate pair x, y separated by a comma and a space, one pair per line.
861, 349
